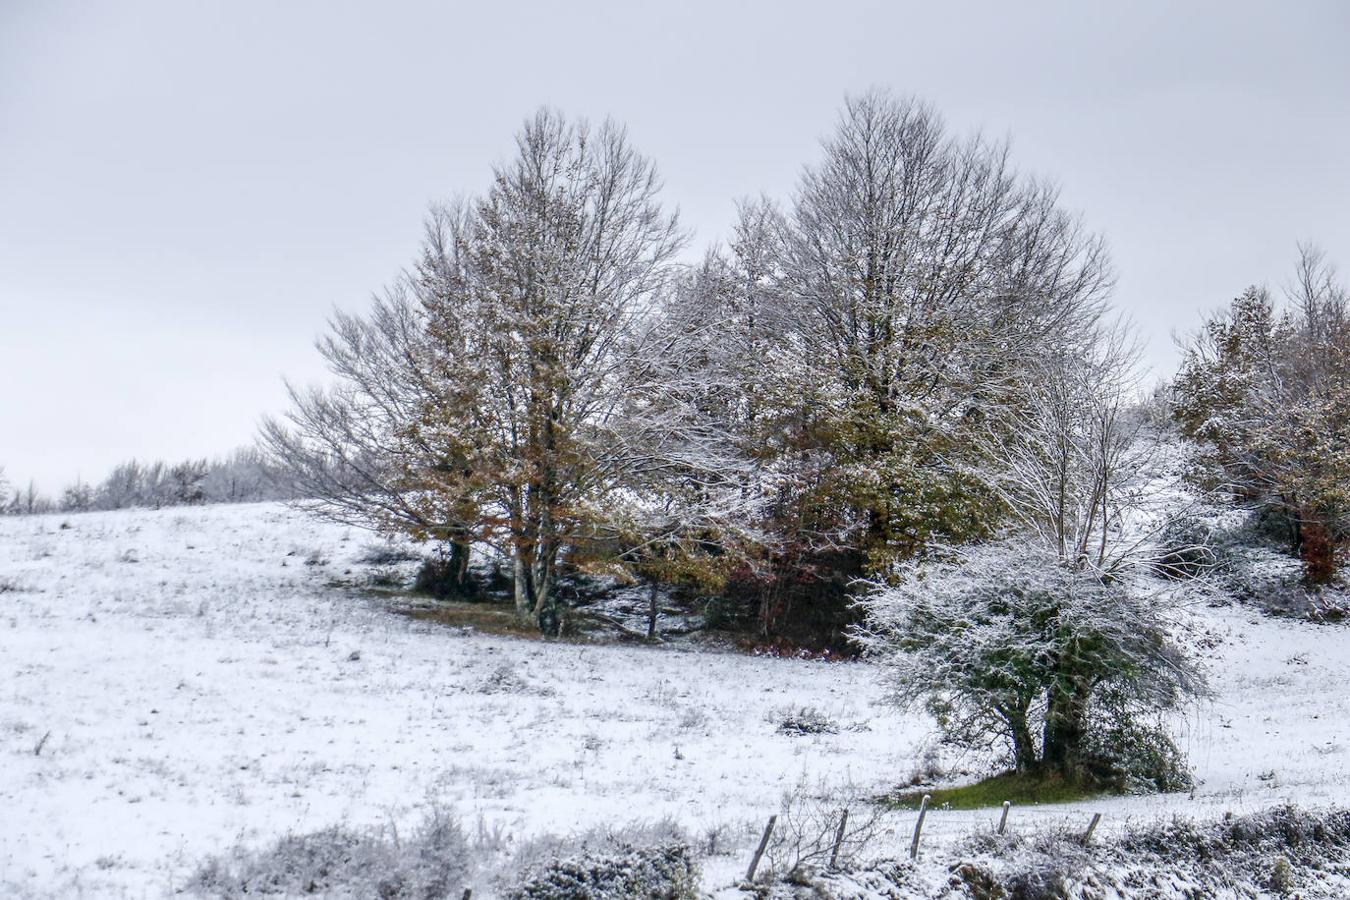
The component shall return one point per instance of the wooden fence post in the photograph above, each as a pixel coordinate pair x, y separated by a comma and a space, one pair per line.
1003, 819
918, 826
1092, 826
838, 840
759, 851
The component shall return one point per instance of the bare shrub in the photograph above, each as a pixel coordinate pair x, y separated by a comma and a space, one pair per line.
692, 718
927, 770
805, 836
385, 577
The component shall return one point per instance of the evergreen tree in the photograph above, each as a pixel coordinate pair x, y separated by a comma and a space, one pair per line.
1266, 394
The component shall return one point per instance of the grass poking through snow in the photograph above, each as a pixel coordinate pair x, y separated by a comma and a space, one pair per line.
1022, 790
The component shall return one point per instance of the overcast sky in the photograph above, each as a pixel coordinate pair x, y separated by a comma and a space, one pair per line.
188, 189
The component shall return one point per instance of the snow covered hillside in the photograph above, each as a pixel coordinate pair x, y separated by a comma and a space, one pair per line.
174, 682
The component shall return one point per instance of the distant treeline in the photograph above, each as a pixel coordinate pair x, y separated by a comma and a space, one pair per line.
241, 477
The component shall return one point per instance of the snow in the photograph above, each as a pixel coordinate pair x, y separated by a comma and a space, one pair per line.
195, 682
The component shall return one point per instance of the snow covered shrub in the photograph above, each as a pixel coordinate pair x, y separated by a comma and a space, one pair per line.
534, 854
1273, 582
1281, 877
1280, 852
1273, 850
431, 863
806, 720
505, 680
666, 872
1244, 555
692, 718
1006, 645
436, 858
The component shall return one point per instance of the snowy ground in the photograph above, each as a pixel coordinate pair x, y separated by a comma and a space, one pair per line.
193, 682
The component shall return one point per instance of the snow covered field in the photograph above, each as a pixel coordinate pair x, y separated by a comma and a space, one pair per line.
173, 682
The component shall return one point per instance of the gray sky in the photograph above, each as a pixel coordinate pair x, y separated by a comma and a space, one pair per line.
188, 189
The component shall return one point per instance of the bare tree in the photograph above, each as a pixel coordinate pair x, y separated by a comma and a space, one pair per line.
522, 386
922, 280
900, 304
29, 501
546, 380
353, 452
922, 269
1066, 460
544, 306
26, 501
240, 477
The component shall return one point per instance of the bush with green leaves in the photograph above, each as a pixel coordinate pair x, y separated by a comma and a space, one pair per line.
1008, 646
1134, 755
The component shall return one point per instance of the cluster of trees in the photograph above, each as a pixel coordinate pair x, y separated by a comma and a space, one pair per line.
911, 354
20, 501
527, 385
802, 409
1265, 394
892, 408
241, 477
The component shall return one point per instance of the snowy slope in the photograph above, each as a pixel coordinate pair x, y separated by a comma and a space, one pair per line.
194, 680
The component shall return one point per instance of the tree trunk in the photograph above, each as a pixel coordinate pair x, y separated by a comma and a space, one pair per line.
1024, 746
1065, 728
459, 567
520, 577
534, 579
1317, 549
652, 611
546, 603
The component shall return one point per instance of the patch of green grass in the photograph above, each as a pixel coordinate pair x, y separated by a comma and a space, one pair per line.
496, 618
488, 618
1022, 790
